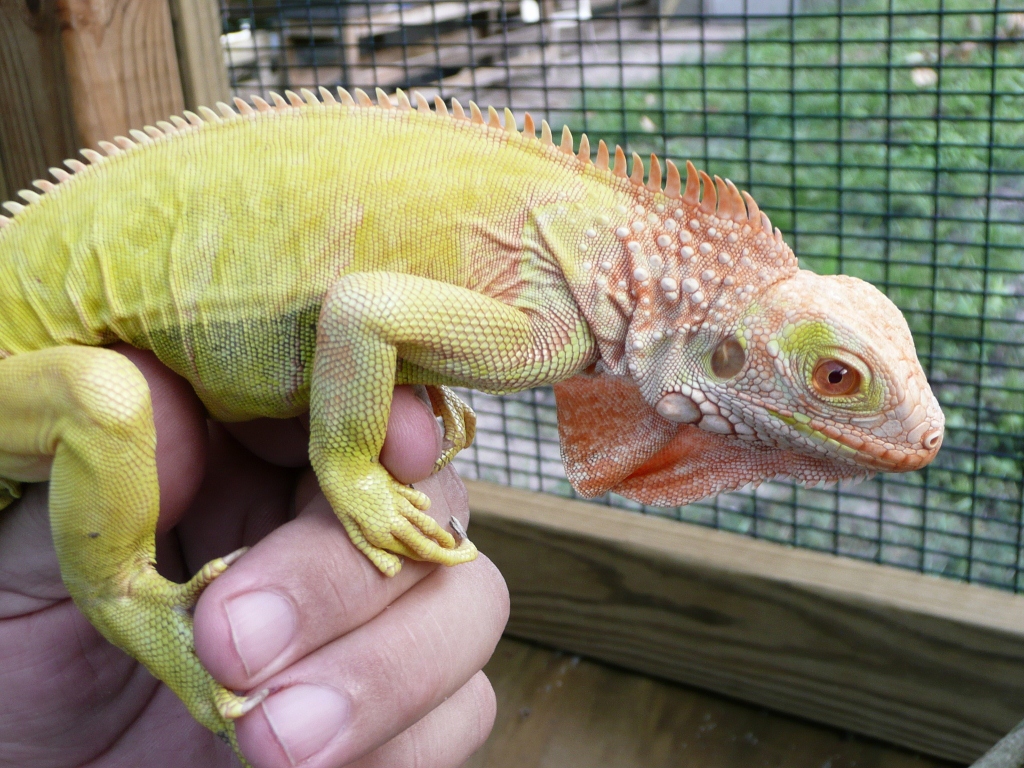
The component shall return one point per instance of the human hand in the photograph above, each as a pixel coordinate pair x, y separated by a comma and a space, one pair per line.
377, 672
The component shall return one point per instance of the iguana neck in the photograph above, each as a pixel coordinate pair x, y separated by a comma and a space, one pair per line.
648, 270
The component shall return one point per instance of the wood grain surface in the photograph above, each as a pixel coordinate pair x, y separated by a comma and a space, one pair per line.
928, 663
121, 64
204, 76
36, 125
556, 710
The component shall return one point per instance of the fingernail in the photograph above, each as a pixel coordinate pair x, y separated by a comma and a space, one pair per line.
262, 626
304, 718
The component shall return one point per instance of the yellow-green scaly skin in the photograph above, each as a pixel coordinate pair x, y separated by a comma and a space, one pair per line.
310, 258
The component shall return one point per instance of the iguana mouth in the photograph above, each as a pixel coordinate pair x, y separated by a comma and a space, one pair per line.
872, 454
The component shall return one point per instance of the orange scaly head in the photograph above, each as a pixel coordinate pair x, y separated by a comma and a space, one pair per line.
736, 366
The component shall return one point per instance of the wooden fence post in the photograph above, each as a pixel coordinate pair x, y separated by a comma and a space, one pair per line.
197, 29
75, 72
36, 125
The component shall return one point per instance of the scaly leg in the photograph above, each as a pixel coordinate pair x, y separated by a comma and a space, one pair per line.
454, 335
10, 490
88, 410
459, 423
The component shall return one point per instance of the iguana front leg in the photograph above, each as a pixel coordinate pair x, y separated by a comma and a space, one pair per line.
455, 335
82, 417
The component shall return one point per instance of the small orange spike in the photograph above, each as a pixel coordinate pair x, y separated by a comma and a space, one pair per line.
153, 131
493, 120
710, 202
566, 145
457, 110
109, 148
226, 110
545, 134
92, 156
383, 100
766, 223
620, 162
243, 106
725, 210
403, 100
60, 174
584, 153
310, 97
778, 235
279, 103
140, 137
475, 116
294, 98
529, 128
345, 97
637, 177
602, 155
327, 96
362, 99
692, 194
673, 183
75, 165
210, 115
654, 177
440, 106
422, 105
124, 142
753, 212
739, 209
510, 122
261, 105
44, 185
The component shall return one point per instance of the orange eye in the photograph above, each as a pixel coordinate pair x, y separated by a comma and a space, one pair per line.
836, 379
728, 358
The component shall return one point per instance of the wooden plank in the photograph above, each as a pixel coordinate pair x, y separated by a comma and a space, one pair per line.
197, 30
557, 710
121, 65
932, 664
36, 130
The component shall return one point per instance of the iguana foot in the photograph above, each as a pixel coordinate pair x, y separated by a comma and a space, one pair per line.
10, 490
390, 521
459, 423
152, 620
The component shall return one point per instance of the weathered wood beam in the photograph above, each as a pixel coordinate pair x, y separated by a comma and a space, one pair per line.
929, 663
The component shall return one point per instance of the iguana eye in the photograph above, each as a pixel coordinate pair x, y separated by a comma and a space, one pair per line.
728, 358
835, 378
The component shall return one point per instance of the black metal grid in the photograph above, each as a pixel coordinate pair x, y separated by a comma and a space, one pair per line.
885, 139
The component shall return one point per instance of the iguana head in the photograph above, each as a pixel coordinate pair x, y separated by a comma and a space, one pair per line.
815, 365
737, 366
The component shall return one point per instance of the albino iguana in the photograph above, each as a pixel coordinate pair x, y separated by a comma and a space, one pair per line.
308, 255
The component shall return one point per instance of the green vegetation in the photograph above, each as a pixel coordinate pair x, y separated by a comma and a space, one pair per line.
887, 143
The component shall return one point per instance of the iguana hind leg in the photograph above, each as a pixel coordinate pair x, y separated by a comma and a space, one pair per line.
10, 490
83, 417
459, 423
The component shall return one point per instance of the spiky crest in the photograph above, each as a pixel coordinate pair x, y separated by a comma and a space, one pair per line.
720, 197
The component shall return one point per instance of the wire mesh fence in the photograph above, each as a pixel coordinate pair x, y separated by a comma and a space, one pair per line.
884, 137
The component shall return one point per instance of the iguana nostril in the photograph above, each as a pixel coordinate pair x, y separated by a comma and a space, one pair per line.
932, 439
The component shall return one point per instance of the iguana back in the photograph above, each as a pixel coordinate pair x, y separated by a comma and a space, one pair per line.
221, 238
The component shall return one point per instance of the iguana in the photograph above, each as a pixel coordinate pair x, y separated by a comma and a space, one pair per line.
310, 254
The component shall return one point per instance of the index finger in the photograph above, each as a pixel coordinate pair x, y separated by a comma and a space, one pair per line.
305, 584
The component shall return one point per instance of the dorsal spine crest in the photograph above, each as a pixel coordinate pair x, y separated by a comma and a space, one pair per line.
720, 198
